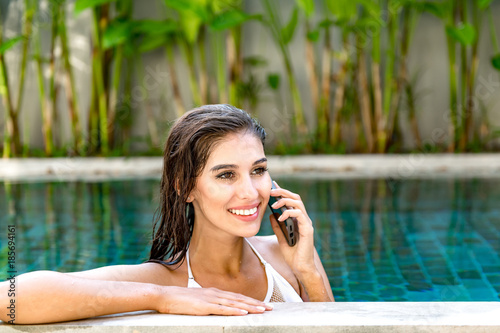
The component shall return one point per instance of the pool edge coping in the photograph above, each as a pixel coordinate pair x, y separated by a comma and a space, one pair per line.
303, 317
315, 166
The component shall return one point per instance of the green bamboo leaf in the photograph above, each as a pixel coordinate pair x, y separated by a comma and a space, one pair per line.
229, 19
343, 10
116, 33
437, 9
495, 61
255, 61
370, 6
288, 30
152, 27
193, 13
483, 4
274, 81
313, 35
81, 5
190, 25
152, 42
219, 6
10, 43
307, 6
195, 7
465, 34
325, 24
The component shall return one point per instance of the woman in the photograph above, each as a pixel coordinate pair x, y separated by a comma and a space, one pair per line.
214, 191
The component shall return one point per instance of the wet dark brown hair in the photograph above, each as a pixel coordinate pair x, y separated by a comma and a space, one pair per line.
189, 144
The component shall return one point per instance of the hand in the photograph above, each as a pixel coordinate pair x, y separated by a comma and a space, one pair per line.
207, 301
301, 256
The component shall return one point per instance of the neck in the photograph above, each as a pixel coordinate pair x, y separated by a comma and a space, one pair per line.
220, 255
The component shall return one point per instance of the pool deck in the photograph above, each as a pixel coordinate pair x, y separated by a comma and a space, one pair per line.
384, 317
332, 166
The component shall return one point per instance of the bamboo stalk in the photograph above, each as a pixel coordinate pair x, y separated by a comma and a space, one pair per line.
202, 40
193, 81
389, 85
379, 118
364, 96
377, 104
323, 100
174, 83
407, 32
53, 91
113, 94
93, 117
27, 37
217, 47
44, 102
71, 93
311, 69
151, 121
9, 148
338, 104
7, 102
493, 34
452, 66
99, 82
472, 70
235, 62
464, 78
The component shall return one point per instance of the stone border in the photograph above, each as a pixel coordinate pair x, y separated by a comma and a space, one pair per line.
457, 317
324, 166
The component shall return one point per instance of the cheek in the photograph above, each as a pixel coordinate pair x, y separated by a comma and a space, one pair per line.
264, 186
216, 193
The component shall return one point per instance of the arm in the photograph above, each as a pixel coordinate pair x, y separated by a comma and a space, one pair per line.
315, 284
302, 258
44, 296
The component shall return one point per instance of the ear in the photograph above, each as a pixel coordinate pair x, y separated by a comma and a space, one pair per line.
190, 197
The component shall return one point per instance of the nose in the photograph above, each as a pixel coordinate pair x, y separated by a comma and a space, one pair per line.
247, 189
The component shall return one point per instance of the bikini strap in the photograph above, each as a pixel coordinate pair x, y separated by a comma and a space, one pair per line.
256, 253
190, 273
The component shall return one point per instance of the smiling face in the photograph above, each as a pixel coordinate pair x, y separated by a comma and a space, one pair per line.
232, 192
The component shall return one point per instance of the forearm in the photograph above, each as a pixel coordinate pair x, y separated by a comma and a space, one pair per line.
315, 287
42, 297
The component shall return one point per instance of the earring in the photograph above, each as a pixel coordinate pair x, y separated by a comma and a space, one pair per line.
189, 198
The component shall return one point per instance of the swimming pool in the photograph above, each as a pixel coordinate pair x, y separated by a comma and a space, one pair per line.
379, 239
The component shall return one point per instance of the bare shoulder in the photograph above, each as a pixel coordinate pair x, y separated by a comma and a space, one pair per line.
146, 273
266, 245
269, 249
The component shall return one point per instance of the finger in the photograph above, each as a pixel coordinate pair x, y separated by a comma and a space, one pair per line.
249, 308
234, 299
284, 193
304, 224
289, 204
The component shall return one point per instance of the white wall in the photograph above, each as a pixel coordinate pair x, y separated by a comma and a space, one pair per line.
428, 60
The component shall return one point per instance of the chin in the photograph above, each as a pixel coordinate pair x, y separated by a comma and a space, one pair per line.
250, 231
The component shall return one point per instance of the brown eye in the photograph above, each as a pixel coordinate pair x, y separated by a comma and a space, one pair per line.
259, 171
225, 175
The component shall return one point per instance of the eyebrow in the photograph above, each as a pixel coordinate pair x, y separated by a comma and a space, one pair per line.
234, 166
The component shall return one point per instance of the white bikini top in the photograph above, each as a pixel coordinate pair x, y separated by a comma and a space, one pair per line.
278, 288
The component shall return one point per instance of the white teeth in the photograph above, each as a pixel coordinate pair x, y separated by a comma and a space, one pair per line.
243, 211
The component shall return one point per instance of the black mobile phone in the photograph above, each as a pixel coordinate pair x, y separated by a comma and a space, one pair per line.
289, 226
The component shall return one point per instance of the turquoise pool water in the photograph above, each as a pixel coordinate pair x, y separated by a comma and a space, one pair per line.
380, 240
